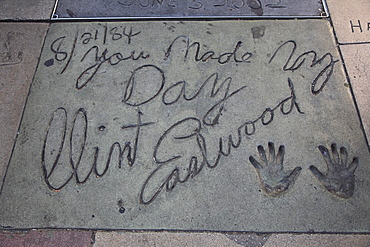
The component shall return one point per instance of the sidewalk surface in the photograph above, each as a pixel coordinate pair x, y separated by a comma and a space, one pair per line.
25, 30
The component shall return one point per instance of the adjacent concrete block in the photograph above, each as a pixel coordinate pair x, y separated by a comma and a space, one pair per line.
356, 58
20, 47
26, 9
46, 238
351, 20
187, 8
311, 240
116, 239
228, 126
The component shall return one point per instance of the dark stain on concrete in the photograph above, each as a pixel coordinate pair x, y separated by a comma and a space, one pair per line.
258, 32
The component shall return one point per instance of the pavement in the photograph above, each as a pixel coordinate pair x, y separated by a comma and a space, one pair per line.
23, 29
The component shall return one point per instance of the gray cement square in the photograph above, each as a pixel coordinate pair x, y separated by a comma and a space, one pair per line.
223, 125
187, 8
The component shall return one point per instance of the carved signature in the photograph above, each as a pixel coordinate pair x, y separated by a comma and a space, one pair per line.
209, 55
185, 133
54, 146
190, 129
10, 58
201, 4
100, 59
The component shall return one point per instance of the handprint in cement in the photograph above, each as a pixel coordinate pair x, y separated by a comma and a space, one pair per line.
274, 180
339, 179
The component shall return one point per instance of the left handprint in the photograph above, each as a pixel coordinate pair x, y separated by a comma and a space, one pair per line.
274, 180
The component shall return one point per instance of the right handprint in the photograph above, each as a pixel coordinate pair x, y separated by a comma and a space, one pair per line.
339, 179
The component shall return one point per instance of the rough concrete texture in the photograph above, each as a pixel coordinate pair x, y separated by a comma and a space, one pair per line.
357, 61
351, 20
190, 125
26, 9
20, 47
216, 239
314, 240
46, 238
187, 8
249, 239
116, 239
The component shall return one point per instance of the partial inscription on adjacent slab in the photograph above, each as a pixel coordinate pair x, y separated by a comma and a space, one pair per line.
357, 58
26, 9
187, 8
20, 46
232, 126
351, 20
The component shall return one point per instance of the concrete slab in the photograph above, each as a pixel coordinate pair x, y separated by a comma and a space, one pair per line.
312, 240
166, 125
217, 239
187, 9
116, 239
249, 239
46, 238
20, 47
351, 20
356, 58
26, 9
